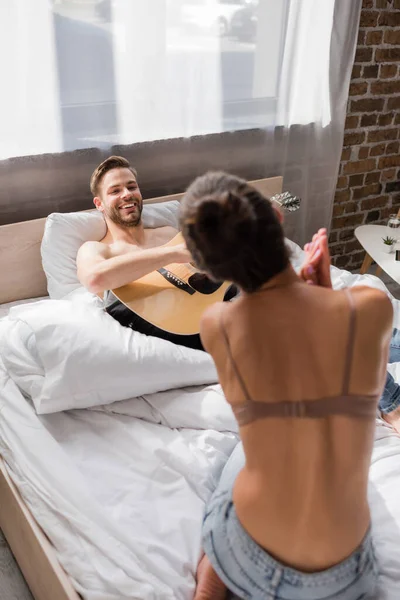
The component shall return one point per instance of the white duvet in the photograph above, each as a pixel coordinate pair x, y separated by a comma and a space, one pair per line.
65, 355
120, 487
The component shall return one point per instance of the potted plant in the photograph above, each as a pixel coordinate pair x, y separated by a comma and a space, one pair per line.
388, 244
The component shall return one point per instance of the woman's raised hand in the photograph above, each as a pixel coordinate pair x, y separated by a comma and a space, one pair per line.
316, 267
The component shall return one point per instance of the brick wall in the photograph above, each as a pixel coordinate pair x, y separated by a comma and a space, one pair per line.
368, 186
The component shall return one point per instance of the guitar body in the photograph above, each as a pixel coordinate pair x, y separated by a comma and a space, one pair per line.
173, 298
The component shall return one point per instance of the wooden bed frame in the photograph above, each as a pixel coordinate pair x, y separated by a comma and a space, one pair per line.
22, 277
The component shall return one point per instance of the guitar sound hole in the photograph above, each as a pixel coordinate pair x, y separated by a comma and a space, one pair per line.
203, 284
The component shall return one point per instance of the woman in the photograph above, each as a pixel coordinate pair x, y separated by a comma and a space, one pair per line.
303, 367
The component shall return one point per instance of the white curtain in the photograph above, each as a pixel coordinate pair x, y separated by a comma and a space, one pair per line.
168, 81
30, 115
304, 92
317, 61
97, 73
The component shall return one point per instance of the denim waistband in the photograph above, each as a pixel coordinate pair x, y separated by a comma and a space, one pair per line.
244, 547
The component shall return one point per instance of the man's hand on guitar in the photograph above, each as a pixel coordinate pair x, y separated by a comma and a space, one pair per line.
316, 268
181, 254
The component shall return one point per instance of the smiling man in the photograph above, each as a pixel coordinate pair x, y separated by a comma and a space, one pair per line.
128, 251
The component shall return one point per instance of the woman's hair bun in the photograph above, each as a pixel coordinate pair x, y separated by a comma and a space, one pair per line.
228, 215
223, 217
210, 215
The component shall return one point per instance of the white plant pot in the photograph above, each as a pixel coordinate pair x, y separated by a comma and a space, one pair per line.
388, 249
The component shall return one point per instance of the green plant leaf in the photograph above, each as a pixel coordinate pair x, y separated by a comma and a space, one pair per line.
389, 241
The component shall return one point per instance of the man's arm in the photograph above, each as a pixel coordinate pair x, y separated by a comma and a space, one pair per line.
99, 271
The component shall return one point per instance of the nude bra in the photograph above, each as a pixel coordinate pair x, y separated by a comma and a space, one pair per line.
352, 405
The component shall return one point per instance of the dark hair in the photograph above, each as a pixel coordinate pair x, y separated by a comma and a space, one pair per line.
232, 231
112, 162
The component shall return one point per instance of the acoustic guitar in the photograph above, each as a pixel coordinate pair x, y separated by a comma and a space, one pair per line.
174, 297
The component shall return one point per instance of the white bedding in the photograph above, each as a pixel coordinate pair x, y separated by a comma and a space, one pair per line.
64, 354
120, 489
5, 308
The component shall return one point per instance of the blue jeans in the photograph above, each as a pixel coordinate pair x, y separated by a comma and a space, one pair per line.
253, 574
390, 399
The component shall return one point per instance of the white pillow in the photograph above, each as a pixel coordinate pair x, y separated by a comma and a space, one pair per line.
64, 355
65, 233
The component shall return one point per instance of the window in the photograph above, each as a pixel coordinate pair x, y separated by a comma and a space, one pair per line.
117, 71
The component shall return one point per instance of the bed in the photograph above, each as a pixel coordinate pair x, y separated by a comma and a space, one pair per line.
113, 494
23, 282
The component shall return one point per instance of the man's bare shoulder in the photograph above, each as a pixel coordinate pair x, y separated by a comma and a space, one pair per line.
93, 249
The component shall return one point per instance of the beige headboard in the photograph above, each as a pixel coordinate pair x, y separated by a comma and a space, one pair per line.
21, 273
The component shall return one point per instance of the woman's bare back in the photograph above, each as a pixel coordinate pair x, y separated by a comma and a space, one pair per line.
302, 494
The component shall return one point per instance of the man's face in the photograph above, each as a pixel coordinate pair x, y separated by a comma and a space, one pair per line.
119, 198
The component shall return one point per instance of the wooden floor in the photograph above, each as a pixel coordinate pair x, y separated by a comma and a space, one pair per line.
12, 583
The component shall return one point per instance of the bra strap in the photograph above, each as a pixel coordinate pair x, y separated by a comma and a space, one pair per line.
350, 343
351, 406
232, 360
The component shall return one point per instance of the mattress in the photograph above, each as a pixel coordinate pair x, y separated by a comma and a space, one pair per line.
120, 489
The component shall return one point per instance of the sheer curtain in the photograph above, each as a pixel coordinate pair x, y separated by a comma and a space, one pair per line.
167, 81
317, 62
304, 82
98, 73
30, 120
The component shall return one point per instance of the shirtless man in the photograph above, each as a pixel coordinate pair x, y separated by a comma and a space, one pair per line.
128, 251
